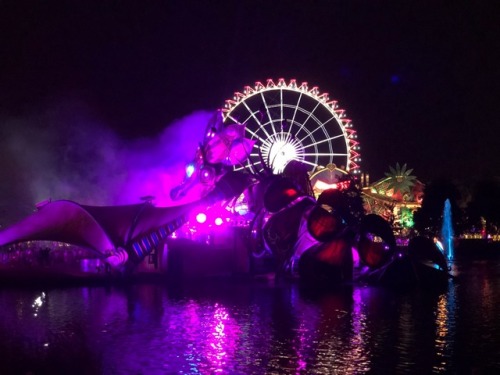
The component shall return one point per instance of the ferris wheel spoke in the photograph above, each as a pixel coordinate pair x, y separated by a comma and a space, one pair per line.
321, 126
252, 114
274, 129
243, 167
257, 158
308, 117
282, 114
267, 111
324, 154
297, 106
281, 109
255, 135
232, 118
307, 162
322, 141
256, 166
267, 144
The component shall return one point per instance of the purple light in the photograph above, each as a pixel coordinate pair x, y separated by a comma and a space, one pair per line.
201, 218
218, 221
355, 256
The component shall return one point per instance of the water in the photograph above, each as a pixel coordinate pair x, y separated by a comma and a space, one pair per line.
254, 327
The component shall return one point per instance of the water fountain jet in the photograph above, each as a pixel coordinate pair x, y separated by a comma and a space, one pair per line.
447, 231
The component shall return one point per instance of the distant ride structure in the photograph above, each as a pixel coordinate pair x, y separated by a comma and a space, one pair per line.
290, 121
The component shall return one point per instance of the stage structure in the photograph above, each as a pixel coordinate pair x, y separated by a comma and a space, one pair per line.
255, 166
260, 131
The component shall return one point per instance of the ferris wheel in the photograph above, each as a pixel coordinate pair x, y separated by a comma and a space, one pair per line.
293, 122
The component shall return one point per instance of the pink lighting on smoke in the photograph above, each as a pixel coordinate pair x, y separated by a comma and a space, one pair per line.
100, 168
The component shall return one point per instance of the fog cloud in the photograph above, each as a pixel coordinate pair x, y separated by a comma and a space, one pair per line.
66, 153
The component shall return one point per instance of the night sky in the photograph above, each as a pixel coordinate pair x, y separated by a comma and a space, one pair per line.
419, 79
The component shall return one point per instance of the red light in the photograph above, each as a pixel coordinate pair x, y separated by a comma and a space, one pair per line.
290, 192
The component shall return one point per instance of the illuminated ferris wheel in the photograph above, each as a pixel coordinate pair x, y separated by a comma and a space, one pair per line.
293, 122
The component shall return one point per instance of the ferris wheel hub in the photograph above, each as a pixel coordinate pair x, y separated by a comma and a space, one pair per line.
280, 149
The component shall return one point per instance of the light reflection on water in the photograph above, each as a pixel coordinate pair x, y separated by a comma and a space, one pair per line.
445, 328
252, 328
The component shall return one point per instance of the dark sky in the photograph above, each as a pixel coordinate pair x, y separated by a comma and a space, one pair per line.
419, 79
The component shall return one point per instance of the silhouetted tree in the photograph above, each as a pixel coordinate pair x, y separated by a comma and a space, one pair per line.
485, 203
429, 218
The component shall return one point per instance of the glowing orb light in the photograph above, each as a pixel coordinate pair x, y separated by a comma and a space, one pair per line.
201, 218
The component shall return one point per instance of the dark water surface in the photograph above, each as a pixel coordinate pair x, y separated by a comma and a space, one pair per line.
254, 327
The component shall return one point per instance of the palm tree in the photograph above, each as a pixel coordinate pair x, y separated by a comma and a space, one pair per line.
400, 179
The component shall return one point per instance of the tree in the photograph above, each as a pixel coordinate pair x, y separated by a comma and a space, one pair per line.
400, 179
429, 218
485, 204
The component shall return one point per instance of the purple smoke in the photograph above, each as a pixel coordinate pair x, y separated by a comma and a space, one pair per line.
64, 153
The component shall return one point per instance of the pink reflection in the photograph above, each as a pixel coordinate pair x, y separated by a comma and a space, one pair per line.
222, 340
358, 350
209, 335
